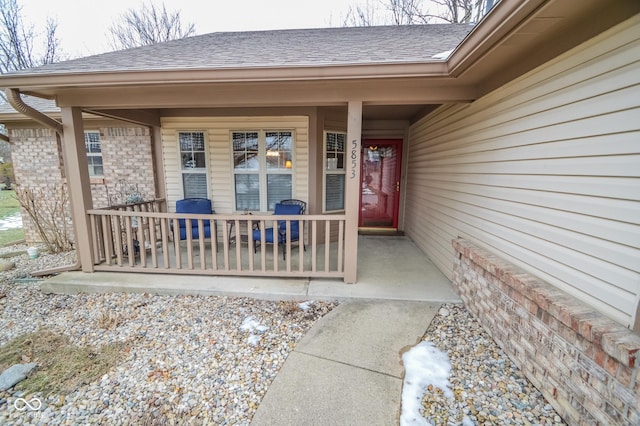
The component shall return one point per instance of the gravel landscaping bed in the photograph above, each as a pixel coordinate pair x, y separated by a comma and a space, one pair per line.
488, 388
187, 359
210, 360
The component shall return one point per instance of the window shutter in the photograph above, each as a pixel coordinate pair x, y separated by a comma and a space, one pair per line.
278, 188
248, 192
195, 185
334, 192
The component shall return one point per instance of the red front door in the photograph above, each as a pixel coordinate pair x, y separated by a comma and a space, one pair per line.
380, 188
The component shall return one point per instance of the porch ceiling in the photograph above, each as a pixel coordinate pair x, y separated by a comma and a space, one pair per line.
409, 113
152, 116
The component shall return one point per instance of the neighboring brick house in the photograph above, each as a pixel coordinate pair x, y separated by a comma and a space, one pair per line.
119, 158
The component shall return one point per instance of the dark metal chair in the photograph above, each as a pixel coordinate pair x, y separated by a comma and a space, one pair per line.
284, 207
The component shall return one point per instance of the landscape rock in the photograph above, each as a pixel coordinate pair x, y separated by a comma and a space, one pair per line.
6, 266
15, 374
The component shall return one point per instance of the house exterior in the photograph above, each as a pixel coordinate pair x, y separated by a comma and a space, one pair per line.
513, 163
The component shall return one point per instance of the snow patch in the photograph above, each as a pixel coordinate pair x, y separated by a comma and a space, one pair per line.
253, 340
252, 324
305, 305
11, 222
424, 365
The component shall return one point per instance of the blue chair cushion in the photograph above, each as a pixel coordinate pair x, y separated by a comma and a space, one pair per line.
282, 209
288, 209
282, 236
197, 206
268, 235
206, 230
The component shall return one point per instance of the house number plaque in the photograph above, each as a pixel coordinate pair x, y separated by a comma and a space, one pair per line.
354, 157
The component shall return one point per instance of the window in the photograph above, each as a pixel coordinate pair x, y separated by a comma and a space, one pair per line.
334, 172
94, 153
262, 164
194, 164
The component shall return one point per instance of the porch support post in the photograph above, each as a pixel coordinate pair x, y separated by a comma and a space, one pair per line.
158, 163
78, 184
352, 190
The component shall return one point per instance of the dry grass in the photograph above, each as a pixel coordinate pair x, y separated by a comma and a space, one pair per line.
62, 366
109, 320
163, 416
289, 307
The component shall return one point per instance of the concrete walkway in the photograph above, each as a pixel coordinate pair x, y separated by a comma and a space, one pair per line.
347, 370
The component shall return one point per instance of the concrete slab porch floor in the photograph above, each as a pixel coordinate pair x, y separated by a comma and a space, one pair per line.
348, 367
390, 268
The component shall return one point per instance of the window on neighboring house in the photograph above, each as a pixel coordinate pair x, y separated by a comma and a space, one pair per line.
334, 171
94, 153
262, 165
193, 162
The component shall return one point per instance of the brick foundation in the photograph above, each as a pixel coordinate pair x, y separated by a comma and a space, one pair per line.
584, 363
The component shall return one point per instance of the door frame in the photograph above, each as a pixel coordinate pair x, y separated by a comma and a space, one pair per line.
398, 143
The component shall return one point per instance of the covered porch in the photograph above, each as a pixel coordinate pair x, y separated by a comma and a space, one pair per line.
389, 267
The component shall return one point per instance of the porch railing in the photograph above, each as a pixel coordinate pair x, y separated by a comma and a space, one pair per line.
143, 239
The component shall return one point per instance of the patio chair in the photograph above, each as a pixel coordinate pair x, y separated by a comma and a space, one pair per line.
284, 207
194, 205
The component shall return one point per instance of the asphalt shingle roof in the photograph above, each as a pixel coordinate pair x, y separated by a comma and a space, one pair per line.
308, 47
42, 105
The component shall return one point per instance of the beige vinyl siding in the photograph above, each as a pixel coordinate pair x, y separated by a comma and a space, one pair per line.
544, 172
335, 121
301, 156
219, 159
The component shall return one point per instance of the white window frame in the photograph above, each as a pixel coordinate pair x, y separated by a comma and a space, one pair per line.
263, 171
94, 154
326, 171
196, 170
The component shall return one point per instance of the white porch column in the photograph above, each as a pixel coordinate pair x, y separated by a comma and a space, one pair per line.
77, 174
352, 191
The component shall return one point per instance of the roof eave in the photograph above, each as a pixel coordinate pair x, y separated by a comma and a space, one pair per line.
485, 36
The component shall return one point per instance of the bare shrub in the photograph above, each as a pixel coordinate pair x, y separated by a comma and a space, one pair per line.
109, 320
47, 208
289, 307
124, 193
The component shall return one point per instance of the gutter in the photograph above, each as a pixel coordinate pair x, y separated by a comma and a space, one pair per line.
93, 78
15, 100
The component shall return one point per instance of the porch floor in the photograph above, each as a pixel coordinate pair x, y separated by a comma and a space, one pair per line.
389, 267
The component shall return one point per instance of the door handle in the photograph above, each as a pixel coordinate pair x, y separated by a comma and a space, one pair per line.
398, 186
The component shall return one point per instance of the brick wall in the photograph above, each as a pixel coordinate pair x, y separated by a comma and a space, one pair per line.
584, 363
126, 156
37, 164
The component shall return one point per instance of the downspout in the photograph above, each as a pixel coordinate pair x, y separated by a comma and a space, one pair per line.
15, 100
